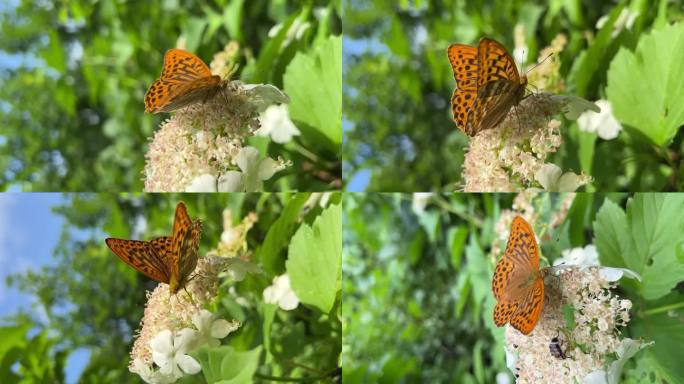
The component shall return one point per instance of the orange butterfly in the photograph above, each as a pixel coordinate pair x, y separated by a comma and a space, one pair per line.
165, 259
185, 80
487, 85
518, 283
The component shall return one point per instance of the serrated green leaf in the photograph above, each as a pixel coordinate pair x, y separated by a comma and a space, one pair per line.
612, 240
226, 365
645, 87
315, 259
645, 239
313, 80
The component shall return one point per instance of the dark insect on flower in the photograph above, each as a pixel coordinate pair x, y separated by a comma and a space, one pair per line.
556, 349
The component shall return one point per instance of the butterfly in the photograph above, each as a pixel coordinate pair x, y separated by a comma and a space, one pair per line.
185, 80
487, 85
166, 259
518, 283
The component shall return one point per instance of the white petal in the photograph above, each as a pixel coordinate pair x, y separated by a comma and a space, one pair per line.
288, 301
503, 378
596, 377
220, 328
420, 201
569, 182
188, 364
164, 361
511, 359
276, 123
267, 168
202, 183
548, 176
162, 342
203, 320
615, 274
231, 181
270, 295
247, 159
184, 339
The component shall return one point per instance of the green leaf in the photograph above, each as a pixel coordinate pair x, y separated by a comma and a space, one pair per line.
227, 366
645, 87
314, 261
612, 240
279, 233
53, 54
667, 331
457, 238
269, 311
646, 239
585, 68
313, 81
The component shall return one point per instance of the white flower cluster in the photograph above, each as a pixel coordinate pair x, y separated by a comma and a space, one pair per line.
170, 349
590, 341
281, 293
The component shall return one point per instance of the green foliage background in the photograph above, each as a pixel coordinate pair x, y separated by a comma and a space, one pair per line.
74, 122
417, 287
92, 300
399, 84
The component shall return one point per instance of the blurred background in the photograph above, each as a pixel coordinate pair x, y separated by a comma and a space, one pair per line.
69, 306
398, 129
417, 280
74, 75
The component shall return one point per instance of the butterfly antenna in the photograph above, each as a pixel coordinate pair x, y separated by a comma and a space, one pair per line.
539, 63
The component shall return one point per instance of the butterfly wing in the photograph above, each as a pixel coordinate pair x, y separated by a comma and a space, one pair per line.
517, 282
187, 94
142, 256
182, 66
495, 63
499, 86
504, 311
189, 248
463, 59
185, 79
529, 310
494, 100
185, 239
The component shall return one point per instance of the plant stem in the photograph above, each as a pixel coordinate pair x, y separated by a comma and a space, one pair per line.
295, 379
665, 308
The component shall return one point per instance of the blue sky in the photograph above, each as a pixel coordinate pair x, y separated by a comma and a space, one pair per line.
358, 182
29, 232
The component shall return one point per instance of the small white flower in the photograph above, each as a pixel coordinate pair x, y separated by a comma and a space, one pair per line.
625, 20
511, 359
588, 257
420, 201
503, 378
254, 172
296, 31
149, 375
169, 352
210, 329
550, 177
202, 183
280, 293
585, 257
603, 123
276, 123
